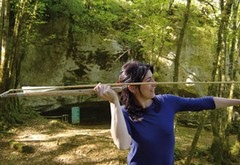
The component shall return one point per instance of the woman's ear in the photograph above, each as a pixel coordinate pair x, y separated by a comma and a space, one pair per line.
132, 88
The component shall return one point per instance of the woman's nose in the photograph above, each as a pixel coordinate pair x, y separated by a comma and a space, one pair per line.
154, 83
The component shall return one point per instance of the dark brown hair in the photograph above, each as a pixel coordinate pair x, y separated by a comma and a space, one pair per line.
133, 71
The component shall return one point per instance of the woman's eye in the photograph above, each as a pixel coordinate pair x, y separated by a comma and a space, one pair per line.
150, 80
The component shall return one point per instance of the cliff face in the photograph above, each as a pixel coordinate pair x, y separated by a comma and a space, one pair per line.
63, 57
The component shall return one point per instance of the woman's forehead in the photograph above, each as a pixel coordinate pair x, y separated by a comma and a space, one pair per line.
148, 75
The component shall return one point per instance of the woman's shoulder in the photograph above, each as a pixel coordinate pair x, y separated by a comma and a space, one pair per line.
165, 96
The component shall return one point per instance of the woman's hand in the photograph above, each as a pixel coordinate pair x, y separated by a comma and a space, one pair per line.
106, 92
225, 102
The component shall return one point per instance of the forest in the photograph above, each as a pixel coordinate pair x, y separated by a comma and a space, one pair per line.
74, 42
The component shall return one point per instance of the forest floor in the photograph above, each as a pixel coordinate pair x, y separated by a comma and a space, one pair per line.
53, 142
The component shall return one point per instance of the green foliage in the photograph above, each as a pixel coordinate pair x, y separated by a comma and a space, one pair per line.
66, 8
3, 123
87, 16
147, 27
178, 154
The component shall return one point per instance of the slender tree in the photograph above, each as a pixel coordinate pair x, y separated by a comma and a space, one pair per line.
218, 121
4, 19
180, 43
4, 59
234, 55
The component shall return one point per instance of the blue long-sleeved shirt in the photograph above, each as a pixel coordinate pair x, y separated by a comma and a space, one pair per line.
153, 138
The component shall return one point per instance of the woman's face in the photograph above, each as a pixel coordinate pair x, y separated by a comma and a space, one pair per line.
148, 91
144, 93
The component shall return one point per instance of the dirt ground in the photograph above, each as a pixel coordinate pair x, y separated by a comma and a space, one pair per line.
52, 142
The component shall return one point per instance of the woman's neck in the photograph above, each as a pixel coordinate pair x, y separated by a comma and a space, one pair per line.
144, 103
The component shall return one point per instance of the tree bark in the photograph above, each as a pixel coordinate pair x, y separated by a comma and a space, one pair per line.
16, 57
11, 62
195, 139
234, 60
219, 146
180, 43
4, 35
4, 61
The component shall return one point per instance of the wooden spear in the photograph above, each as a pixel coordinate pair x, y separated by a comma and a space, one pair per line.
75, 92
133, 83
78, 90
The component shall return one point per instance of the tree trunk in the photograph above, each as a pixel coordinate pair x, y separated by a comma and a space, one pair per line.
4, 31
234, 66
235, 30
238, 135
11, 64
219, 118
4, 61
16, 55
195, 139
179, 44
170, 5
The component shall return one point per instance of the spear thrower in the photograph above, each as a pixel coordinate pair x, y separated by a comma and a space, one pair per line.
78, 90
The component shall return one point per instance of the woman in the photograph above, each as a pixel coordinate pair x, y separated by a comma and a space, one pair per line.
145, 121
